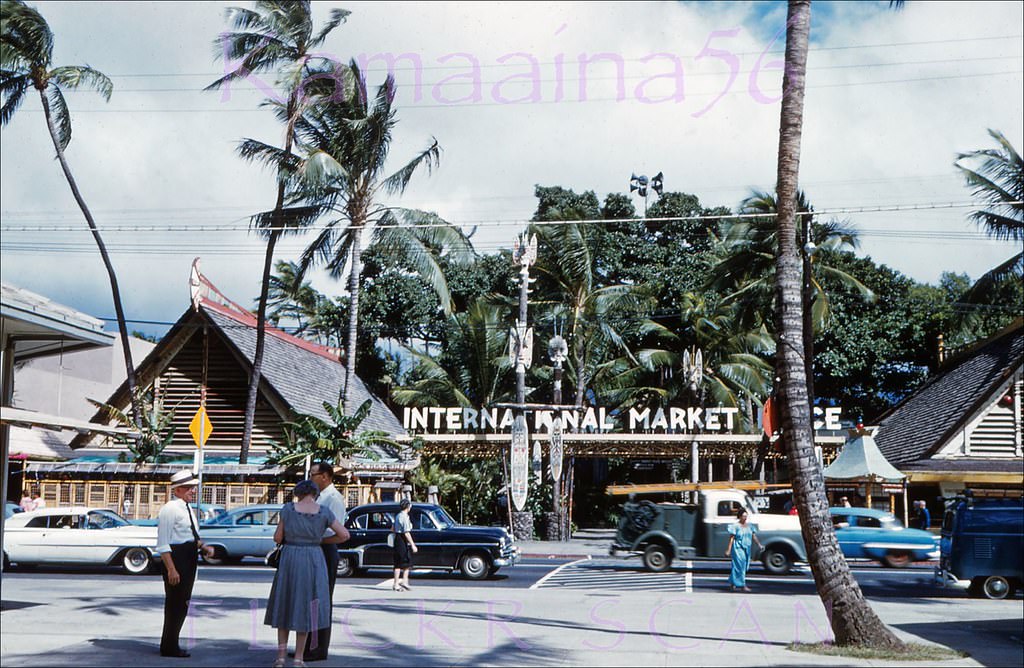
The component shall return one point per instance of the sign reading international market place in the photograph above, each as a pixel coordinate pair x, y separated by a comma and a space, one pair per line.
668, 420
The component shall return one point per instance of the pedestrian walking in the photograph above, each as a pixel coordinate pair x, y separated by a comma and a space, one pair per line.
405, 547
300, 597
922, 518
37, 500
741, 535
322, 473
178, 544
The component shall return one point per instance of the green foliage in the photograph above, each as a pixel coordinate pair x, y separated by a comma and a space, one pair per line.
469, 486
431, 472
311, 436
156, 430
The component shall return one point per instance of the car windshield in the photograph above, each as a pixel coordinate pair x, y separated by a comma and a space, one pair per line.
106, 519
441, 518
224, 518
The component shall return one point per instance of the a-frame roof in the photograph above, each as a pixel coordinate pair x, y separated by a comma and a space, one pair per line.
299, 375
926, 420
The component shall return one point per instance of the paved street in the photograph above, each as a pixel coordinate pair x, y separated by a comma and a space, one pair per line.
545, 611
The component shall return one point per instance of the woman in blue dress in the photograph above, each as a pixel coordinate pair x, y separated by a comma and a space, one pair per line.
741, 535
300, 598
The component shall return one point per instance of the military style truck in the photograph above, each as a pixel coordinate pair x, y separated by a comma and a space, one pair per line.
662, 532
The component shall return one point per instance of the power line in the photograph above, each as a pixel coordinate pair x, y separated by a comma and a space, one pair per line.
222, 227
446, 105
570, 80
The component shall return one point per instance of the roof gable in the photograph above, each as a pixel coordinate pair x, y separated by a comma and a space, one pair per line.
927, 419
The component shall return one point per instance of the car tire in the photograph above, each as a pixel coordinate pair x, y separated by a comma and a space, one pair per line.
777, 561
657, 558
218, 558
136, 561
474, 566
996, 587
346, 567
897, 559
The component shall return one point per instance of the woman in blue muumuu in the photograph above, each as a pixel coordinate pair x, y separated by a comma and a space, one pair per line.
741, 536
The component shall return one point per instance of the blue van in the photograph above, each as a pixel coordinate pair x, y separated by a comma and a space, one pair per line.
982, 546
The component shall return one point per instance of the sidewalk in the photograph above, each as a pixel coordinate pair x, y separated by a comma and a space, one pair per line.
480, 625
585, 542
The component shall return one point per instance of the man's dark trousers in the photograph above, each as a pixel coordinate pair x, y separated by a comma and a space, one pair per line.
176, 599
318, 643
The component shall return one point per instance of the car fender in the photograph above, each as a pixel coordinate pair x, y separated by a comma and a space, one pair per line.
878, 550
790, 544
659, 537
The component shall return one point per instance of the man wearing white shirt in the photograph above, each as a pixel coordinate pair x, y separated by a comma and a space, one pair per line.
322, 474
178, 544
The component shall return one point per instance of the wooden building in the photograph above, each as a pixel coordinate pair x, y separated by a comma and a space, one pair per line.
963, 427
205, 359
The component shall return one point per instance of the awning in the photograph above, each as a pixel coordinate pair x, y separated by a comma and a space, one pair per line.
19, 417
860, 459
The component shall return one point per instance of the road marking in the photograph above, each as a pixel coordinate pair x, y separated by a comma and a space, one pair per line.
688, 577
539, 583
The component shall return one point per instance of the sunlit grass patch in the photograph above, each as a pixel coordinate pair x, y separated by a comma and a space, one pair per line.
909, 652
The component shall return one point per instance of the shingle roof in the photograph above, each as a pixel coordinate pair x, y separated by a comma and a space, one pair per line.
926, 420
303, 374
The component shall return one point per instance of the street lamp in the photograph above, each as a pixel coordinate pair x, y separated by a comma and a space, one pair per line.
640, 185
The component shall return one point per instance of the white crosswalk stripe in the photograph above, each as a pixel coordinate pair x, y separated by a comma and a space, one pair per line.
587, 574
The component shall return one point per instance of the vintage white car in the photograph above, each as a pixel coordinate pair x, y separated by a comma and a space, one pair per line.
78, 536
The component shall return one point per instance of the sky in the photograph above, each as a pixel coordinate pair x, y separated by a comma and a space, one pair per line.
689, 89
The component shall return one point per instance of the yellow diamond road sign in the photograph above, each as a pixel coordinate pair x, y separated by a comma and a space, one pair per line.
201, 427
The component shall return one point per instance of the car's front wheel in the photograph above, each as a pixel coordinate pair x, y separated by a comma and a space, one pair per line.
776, 561
657, 558
474, 566
218, 559
136, 561
896, 559
346, 567
996, 587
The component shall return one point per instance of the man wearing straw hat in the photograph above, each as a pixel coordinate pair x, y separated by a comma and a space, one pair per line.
178, 545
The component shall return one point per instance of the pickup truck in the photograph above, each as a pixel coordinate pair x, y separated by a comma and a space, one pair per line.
661, 532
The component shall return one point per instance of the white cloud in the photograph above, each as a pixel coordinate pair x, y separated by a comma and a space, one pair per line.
865, 143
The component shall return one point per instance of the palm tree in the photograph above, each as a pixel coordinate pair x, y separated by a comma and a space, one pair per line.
996, 177
472, 370
853, 621
309, 436
735, 373
290, 297
26, 52
346, 145
599, 320
156, 430
276, 35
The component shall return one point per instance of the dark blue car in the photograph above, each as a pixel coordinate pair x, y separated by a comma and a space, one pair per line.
865, 533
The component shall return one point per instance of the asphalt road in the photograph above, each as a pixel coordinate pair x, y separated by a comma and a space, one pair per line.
611, 575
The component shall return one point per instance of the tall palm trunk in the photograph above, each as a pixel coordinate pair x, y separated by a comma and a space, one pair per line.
353, 306
114, 289
853, 621
261, 311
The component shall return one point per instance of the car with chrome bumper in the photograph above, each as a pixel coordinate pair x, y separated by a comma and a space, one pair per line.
243, 532
475, 552
866, 533
78, 536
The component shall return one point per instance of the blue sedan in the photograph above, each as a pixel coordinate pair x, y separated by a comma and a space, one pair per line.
865, 533
242, 532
